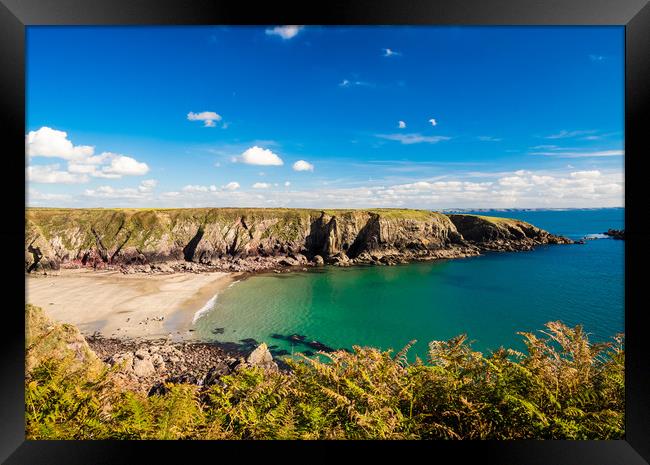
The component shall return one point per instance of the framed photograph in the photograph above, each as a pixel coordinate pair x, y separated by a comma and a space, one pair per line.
416, 224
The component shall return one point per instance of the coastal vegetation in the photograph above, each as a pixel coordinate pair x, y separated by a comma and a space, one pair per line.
562, 387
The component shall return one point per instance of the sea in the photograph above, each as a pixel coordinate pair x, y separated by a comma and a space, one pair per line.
490, 298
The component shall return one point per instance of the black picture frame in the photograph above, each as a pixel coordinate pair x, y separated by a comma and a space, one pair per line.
634, 15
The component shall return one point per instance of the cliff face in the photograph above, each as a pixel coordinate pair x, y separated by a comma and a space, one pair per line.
491, 233
226, 238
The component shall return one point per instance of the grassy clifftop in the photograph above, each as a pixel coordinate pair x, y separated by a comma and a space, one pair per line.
208, 236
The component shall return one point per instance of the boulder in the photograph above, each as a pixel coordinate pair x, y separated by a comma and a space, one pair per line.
261, 357
318, 260
143, 368
124, 360
216, 372
288, 261
300, 258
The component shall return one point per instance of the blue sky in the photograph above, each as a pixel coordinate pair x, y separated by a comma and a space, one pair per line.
419, 117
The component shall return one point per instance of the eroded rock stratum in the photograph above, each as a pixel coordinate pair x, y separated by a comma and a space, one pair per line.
233, 239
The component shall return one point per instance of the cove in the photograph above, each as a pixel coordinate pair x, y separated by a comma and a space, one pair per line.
489, 297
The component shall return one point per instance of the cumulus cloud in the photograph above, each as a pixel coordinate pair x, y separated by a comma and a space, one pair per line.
209, 118
36, 196
261, 185
401, 124
390, 53
195, 188
286, 32
513, 189
433, 122
147, 185
143, 191
302, 165
413, 138
82, 161
108, 192
48, 142
287, 183
51, 174
122, 165
259, 156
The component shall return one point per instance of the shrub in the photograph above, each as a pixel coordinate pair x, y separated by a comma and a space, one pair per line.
562, 387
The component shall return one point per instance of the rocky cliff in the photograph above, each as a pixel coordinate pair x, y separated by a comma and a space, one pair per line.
254, 239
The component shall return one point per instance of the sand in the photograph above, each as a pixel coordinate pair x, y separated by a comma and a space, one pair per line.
119, 305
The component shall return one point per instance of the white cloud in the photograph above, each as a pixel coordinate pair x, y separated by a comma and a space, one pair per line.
261, 185
513, 189
563, 134
401, 124
108, 192
147, 185
82, 161
348, 83
286, 32
258, 156
302, 165
231, 186
48, 142
413, 138
433, 122
122, 165
287, 183
143, 192
597, 57
51, 174
593, 174
34, 195
195, 188
389, 53
597, 154
208, 118
489, 139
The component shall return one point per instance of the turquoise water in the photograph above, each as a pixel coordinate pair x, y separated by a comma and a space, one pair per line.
489, 297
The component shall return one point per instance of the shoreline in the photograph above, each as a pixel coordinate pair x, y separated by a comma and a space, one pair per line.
117, 305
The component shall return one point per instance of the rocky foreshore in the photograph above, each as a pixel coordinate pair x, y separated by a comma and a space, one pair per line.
252, 240
147, 365
615, 233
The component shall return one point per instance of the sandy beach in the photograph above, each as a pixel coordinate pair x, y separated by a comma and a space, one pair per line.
119, 305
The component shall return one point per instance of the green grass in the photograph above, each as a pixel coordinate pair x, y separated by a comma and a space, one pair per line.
147, 225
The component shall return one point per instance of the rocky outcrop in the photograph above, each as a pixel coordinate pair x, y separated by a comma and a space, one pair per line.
615, 233
148, 366
503, 234
261, 357
232, 239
